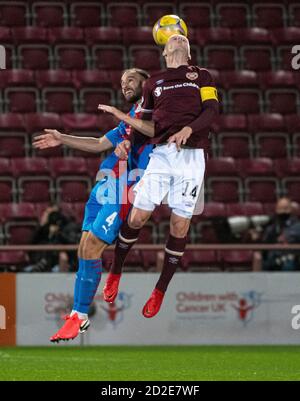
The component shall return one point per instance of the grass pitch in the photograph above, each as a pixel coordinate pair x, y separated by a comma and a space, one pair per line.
151, 363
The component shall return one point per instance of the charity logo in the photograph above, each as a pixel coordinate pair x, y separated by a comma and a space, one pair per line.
246, 305
115, 311
158, 91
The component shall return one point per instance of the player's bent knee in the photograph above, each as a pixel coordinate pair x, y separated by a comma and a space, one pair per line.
138, 218
93, 247
179, 226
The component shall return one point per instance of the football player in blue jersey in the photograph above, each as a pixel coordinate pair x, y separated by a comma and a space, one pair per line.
108, 204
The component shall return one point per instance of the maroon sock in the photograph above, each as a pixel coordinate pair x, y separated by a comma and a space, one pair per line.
127, 238
173, 253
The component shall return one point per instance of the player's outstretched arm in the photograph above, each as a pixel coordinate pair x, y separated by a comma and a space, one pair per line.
143, 126
52, 138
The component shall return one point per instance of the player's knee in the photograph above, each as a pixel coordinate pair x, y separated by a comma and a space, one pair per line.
179, 227
92, 247
137, 219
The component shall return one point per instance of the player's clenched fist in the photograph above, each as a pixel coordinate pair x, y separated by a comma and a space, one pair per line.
122, 150
49, 139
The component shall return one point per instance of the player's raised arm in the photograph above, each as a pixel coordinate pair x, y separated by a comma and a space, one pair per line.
143, 126
52, 138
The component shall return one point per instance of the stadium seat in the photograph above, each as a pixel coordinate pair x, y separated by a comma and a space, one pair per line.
212, 209
109, 57
59, 100
10, 56
291, 188
37, 122
231, 122
11, 122
93, 164
67, 166
148, 234
296, 145
145, 57
224, 189
284, 101
85, 78
287, 167
73, 188
29, 166
123, 14
152, 12
79, 121
13, 144
273, 122
262, 189
280, 78
17, 211
284, 57
21, 99
236, 145
233, 15
292, 122
220, 57
261, 166
160, 213
245, 101
198, 15
273, 145
66, 34
257, 58
16, 77
252, 36
5, 166
245, 209
238, 79
20, 232
35, 57
106, 34
72, 57
141, 35
90, 98
35, 189
53, 78
49, 14
13, 260
14, 13
149, 260
199, 260
86, 14
286, 36
5, 34
7, 190
29, 34
236, 260
269, 15
221, 166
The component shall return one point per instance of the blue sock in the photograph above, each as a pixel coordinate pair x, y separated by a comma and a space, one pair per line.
90, 276
77, 284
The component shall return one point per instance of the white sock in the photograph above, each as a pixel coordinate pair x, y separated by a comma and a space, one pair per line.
82, 316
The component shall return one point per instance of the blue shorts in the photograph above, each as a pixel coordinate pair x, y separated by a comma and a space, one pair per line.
102, 215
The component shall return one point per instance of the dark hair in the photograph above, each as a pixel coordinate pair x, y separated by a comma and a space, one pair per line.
139, 71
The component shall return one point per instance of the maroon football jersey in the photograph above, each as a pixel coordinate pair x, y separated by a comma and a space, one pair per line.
175, 98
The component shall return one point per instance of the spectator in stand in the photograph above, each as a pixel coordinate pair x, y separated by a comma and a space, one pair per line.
284, 228
63, 265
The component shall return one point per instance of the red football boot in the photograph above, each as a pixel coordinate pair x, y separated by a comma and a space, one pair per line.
153, 304
111, 288
70, 329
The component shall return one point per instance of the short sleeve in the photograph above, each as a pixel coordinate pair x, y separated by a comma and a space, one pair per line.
147, 103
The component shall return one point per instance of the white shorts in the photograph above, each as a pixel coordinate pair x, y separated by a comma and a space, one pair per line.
175, 176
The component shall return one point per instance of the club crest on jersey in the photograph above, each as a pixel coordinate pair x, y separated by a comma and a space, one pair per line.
192, 75
158, 91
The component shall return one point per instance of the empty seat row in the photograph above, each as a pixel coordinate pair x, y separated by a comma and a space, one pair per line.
236, 14
224, 57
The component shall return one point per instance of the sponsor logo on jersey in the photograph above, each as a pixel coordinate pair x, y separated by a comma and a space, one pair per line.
158, 91
192, 75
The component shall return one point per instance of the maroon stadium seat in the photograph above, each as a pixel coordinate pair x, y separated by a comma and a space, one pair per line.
66, 34
236, 260
233, 15
17, 77
224, 189
285, 101
160, 213
10, 56
245, 101
87, 14
274, 145
53, 78
287, 167
21, 99
5, 34
37, 122
20, 232
141, 35
145, 57
93, 164
269, 15
59, 100
291, 187
13, 259
72, 57
255, 167
296, 145
199, 260
292, 122
109, 57
220, 57
17, 211
14, 13
106, 34
5, 166
29, 166
231, 122
238, 79
152, 12
286, 36
67, 166
252, 36
11, 122
79, 121
207, 36
35, 57
221, 166
123, 14
198, 15
266, 122
280, 78
73, 188
7, 190
294, 14
284, 57
257, 58
35, 189
90, 98
49, 14
29, 34
149, 259
245, 209
212, 209
86, 78
236, 145
13, 144
263, 189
